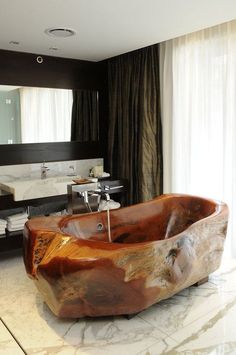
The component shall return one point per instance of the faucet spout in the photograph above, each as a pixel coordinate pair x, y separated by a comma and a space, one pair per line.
44, 170
107, 196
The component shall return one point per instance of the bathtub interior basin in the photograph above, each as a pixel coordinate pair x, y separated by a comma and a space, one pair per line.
158, 248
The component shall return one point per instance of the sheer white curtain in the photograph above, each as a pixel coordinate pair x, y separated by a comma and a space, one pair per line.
45, 114
198, 82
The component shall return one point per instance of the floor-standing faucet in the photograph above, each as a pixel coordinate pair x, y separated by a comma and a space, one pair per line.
44, 170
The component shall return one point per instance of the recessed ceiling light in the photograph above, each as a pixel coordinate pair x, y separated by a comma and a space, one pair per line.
60, 32
14, 42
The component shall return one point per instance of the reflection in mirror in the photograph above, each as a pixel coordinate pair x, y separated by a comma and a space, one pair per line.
38, 115
45, 114
10, 125
85, 118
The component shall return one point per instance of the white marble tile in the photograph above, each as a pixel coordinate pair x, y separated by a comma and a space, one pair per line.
224, 279
212, 334
105, 337
39, 331
8, 345
182, 309
161, 347
43, 332
197, 320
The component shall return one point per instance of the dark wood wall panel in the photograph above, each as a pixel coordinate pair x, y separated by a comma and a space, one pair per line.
17, 68
12, 154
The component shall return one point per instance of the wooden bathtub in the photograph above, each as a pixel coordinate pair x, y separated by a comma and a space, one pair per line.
159, 248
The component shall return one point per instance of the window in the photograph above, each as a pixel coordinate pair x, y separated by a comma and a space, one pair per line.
198, 74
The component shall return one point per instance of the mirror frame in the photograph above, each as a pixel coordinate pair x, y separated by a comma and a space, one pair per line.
18, 68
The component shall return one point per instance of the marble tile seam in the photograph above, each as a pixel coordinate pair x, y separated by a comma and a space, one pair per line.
225, 272
228, 292
217, 290
149, 323
170, 334
211, 309
220, 284
13, 336
210, 323
158, 344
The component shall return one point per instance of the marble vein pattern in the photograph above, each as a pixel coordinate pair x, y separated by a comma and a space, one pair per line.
198, 320
8, 345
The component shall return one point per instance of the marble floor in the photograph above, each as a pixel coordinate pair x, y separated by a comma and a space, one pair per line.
196, 321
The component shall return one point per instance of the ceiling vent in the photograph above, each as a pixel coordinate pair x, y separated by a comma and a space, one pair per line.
60, 32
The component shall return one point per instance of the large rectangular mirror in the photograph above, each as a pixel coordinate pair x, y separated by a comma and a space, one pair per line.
39, 115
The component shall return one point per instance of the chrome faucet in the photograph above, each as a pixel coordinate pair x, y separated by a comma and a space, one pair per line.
44, 170
85, 191
107, 196
71, 171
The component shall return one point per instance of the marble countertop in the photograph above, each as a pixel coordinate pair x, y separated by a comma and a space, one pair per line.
26, 189
196, 321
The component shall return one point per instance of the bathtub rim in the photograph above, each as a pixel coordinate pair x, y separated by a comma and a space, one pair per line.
220, 208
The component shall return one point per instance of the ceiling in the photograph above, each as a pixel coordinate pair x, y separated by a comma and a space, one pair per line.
104, 28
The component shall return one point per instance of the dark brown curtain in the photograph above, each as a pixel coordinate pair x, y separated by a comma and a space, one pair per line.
135, 132
85, 122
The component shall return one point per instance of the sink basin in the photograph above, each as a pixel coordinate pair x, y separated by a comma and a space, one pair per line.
36, 188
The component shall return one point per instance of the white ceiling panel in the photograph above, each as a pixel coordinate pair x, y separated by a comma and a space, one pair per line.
104, 28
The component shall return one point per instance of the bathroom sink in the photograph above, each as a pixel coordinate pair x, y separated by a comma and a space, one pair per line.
36, 188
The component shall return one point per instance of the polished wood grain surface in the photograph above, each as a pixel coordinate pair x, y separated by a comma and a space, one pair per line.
158, 248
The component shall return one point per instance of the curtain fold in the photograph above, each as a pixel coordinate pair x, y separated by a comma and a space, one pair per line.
135, 137
85, 122
198, 85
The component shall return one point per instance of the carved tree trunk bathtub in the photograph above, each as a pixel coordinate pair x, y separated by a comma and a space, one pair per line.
159, 248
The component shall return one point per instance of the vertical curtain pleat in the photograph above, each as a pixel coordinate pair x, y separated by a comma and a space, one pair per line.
85, 123
135, 143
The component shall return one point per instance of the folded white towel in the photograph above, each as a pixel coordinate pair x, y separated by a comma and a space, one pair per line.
2, 231
18, 221
55, 213
2, 221
103, 205
21, 220
18, 224
18, 216
3, 224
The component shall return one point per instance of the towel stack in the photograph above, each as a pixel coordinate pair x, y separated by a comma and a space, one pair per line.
111, 204
3, 224
59, 213
16, 222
